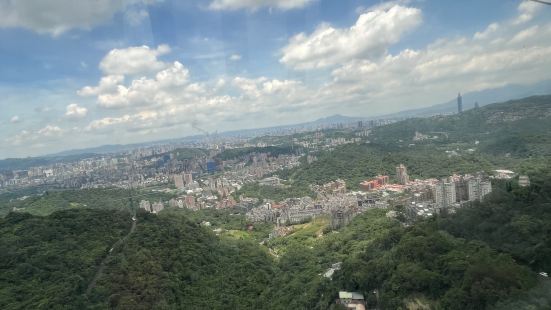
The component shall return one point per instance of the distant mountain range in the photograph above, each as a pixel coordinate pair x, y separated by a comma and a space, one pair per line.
484, 97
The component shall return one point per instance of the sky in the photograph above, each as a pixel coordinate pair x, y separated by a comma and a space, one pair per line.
77, 74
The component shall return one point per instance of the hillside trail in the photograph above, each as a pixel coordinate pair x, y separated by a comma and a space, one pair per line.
106, 258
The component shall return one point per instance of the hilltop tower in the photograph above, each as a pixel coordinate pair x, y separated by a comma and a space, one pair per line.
459, 103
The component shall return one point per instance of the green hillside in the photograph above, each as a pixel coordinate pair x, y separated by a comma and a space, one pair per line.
519, 127
514, 135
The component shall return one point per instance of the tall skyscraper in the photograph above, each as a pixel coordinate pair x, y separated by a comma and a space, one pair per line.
476, 105
459, 103
402, 174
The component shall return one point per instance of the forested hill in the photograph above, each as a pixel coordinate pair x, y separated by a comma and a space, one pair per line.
520, 127
48, 262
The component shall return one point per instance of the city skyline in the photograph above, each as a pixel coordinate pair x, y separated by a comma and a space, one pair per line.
123, 73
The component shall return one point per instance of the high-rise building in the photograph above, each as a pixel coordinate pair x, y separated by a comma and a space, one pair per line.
402, 174
478, 189
444, 193
459, 103
476, 105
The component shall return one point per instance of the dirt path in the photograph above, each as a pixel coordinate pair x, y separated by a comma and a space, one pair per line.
104, 261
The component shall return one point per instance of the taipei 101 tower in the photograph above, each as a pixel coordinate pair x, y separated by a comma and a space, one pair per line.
459, 103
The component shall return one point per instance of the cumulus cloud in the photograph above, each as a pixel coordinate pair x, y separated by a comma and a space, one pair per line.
370, 37
75, 111
165, 99
495, 57
107, 84
55, 17
169, 97
134, 60
141, 91
256, 4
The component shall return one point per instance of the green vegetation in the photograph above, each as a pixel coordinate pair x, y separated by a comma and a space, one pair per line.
277, 193
170, 261
46, 262
232, 221
54, 200
521, 128
189, 153
306, 234
357, 162
230, 154
514, 135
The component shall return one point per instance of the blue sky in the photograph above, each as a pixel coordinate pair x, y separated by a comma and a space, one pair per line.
230, 64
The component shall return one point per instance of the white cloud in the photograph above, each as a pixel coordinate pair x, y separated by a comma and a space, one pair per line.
134, 60
235, 57
55, 17
47, 133
50, 131
169, 98
256, 4
14, 119
141, 91
107, 83
165, 98
527, 11
496, 57
370, 37
107, 121
492, 28
75, 111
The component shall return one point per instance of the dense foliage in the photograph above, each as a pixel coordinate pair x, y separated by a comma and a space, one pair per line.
357, 162
189, 153
46, 262
54, 200
171, 261
275, 151
277, 193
